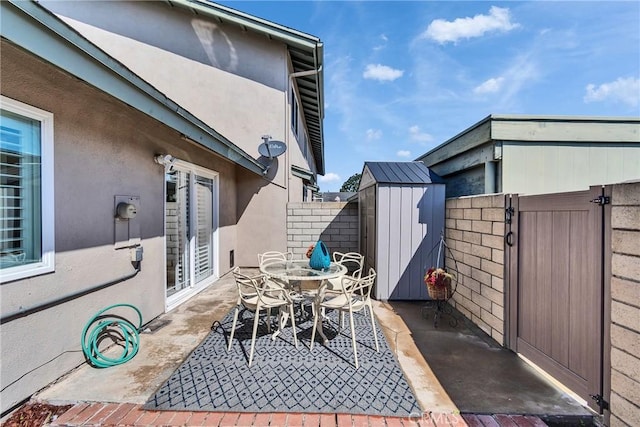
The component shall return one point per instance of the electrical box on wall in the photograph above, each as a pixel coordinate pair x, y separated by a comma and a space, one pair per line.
126, 222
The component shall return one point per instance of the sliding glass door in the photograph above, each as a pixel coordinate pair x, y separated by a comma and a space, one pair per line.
191, 225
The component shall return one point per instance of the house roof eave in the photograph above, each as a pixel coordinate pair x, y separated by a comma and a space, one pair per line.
34, 28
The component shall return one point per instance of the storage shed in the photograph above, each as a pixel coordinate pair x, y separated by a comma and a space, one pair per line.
401, 220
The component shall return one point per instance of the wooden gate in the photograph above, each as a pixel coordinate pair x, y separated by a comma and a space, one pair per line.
555, 267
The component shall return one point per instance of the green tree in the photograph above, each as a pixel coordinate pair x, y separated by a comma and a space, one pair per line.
351, 184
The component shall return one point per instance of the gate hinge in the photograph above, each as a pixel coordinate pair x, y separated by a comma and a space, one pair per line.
603, 404
602, 200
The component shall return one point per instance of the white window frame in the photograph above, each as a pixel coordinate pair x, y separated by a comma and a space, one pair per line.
174, 300
47, 263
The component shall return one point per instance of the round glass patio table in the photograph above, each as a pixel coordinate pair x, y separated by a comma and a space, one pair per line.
300, 270
294, 270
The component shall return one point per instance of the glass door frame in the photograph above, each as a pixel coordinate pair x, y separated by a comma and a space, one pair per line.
181, 296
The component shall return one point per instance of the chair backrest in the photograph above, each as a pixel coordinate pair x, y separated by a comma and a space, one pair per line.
274, 256
359, 288
247, 286
353, 261
251, 286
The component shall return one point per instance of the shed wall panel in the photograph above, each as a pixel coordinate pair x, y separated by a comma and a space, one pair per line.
420, 196
409, 222
382, 242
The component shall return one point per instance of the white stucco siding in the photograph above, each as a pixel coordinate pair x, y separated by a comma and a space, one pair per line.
534, 168
100, 151
102, 148
239, 108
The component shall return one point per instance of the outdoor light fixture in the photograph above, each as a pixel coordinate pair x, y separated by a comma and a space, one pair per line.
165, 160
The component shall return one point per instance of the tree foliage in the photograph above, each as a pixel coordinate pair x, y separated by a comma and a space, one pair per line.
351, 184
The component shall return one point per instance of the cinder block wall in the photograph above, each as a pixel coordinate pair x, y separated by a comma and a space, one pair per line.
335, 223
474, 231
625, 305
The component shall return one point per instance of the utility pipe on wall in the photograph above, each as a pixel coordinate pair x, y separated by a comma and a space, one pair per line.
22, 312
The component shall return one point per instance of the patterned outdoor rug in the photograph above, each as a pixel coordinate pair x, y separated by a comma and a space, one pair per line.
284, 378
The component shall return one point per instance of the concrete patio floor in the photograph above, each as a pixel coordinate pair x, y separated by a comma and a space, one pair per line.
171, 337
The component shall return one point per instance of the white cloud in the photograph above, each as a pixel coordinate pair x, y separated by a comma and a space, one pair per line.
625, 90
492, 85
329, 177
416, 135
403, 153
381, 72
382, 45
373, 134
499, 19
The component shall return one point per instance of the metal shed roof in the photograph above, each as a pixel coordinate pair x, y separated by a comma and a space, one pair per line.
401, 173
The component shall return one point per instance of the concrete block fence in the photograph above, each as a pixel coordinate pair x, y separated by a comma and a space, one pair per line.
474, 232
625, 305
335, 223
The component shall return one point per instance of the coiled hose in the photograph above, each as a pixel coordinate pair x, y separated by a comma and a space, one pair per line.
115, 328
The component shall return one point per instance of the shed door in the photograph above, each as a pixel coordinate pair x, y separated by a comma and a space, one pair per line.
556, 287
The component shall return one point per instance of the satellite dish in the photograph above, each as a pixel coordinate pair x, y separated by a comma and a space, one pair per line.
272, 148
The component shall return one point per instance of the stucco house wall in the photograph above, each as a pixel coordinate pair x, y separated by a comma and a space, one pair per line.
217, 72
105, 147
95, 160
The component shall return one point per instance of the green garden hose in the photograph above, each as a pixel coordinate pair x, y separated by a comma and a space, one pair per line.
112, 327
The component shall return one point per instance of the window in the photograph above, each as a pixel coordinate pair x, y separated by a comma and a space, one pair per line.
26, 191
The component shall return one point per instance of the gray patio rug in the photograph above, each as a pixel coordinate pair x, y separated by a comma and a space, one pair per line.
284, 378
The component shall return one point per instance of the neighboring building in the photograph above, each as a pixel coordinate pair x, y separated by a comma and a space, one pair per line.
160, 106
336, 196
538, 154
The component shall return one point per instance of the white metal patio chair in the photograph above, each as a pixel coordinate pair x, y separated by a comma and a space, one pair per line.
353, 261
256, 294
294, 288
354, 296
274, 256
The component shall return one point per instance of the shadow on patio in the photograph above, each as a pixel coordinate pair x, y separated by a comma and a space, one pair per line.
115, 396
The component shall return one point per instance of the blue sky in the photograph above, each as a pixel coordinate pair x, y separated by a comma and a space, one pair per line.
402, 77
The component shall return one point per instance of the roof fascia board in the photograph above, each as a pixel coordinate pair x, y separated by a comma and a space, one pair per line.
432, 154
258, 25
561, 130
476, 135
35, 29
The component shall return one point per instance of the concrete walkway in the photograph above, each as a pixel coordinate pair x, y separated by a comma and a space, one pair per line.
174, 335
115, 396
